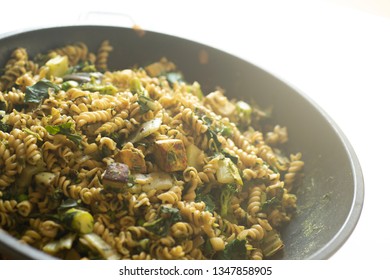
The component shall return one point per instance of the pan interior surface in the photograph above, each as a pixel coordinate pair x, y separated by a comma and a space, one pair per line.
330, 196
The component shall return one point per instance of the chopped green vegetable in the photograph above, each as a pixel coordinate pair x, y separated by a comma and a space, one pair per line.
207, 199
36, 135
195, 156
227, 172
39, 91
103, 89
137, 87
78, 220
226, 196
234, 250
166, 217
96, 243
56, 246
5, 127
69, 84
64, 129
271, 244
244, 112
58, 66
146, 129
147, 104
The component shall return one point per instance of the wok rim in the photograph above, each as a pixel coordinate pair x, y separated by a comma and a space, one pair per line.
23, 251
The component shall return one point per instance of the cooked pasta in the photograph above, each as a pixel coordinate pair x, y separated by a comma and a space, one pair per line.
137, 163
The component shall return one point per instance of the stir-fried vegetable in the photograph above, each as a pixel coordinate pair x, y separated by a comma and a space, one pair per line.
146, 129
234, 250
227, 194
39, 91
78, 220
227, 172
58, 66
167, 216
97, 244
66, 129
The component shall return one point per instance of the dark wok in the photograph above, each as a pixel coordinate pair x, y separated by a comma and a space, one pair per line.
330, 198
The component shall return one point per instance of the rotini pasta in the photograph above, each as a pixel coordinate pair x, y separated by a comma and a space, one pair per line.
136, 163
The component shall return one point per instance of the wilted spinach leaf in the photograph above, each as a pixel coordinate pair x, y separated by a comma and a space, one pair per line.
234, 250
39, 91
64, 129
167, 216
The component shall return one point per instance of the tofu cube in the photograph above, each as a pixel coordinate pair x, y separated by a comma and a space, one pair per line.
171, 155
116, 175
133, 158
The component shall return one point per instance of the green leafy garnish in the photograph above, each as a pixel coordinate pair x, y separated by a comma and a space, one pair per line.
39, 91
146, 104
5, 127
227, 193
103, 89
207, 199
166, 217
64, 129
36, 135
234, 250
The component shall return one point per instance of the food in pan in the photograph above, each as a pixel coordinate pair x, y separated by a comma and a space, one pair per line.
137, 163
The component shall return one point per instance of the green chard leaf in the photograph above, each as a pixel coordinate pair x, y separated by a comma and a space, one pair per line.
64, 129
207, 199
39, 91
167, 216
234, 250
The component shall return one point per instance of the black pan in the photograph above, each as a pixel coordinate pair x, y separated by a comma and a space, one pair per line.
330, 199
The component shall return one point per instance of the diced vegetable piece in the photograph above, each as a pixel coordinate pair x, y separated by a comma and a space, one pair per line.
134, 159
78, 77
171, 155
78, 220
244, 112
96, 243
103, 89
58, 66
271, 244
195, 156
116, 175
219, 103
56, 246
196, 90
68, 85
25, 178
154, 181
146, 129
225, 201
227, 172
45, 179
147, 104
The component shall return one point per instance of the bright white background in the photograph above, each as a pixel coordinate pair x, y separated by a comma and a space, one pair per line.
337, 52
